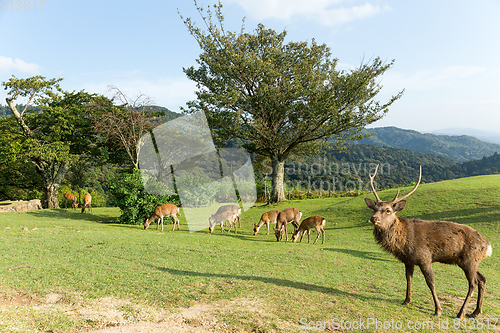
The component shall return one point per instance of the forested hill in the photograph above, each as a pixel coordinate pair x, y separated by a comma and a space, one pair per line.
166, 113
485, 166
350, 169
341, 170
459, 148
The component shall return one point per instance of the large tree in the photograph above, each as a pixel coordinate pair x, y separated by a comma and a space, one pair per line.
281, 98
52, 135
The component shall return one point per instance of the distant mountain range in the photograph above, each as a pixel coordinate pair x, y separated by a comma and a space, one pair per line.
459, 148
493, 137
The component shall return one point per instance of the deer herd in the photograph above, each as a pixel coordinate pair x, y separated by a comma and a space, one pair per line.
414, 242
87, 199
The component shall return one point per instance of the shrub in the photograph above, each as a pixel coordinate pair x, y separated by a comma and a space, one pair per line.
135, 203
199, 190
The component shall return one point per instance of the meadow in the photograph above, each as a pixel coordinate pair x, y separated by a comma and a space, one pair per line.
56, 263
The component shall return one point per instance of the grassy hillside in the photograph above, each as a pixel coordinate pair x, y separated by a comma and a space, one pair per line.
249, 283
459, 148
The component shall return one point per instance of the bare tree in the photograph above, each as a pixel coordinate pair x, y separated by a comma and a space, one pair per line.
124, 120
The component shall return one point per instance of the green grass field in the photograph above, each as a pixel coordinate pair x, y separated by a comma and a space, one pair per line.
254, 283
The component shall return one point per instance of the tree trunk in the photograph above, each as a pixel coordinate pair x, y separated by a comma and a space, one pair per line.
277, 190
51, 198
52, 174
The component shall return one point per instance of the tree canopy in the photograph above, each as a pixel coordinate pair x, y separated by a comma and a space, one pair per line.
50, 138
281, 98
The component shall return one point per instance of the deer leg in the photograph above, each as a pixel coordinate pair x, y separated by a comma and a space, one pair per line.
471, 275
481, 284
319, 233
267, 227
429, 279
409, 268
308, 234
161, 218
178, 223
317, 237
323, 232
286, 233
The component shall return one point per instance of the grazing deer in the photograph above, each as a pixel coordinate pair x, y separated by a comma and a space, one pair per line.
287, 215
418, 242
220, 219
163, 211
268, 217
231, 208
72, 198
87, 199
316, 222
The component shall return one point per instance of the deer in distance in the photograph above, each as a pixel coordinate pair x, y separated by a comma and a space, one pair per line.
87, 199
418, 242
70, 197
316, 222
220, 218
268, 217
231, 208
160, 212
286, 216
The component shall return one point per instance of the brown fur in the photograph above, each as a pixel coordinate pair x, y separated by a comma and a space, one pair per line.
316, 222
420, 243
267, 218
87, 199
292, 215
72, 198
162, 211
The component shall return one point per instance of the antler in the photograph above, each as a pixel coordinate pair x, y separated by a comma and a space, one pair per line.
396, 199
373, 187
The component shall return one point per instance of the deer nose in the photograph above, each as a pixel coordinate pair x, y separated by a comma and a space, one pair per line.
374, 219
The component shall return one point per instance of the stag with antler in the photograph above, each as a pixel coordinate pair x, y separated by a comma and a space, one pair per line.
418, 242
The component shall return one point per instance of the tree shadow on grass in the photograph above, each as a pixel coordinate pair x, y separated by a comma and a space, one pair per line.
270, 280
466, 216
359, 254
71, 215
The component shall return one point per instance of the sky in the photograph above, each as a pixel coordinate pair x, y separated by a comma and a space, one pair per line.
446, 52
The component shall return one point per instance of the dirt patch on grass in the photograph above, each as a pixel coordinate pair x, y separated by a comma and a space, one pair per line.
197, 318
66, 312
15, 299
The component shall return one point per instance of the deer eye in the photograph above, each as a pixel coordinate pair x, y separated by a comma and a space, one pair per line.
388, 211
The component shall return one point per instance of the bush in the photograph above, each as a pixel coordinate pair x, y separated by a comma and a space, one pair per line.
128, 193
199, 190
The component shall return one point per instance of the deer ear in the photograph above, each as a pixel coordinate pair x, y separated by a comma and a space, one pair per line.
370, 203
399, 206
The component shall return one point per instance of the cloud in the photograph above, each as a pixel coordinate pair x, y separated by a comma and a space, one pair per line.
8, 64
326, 12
